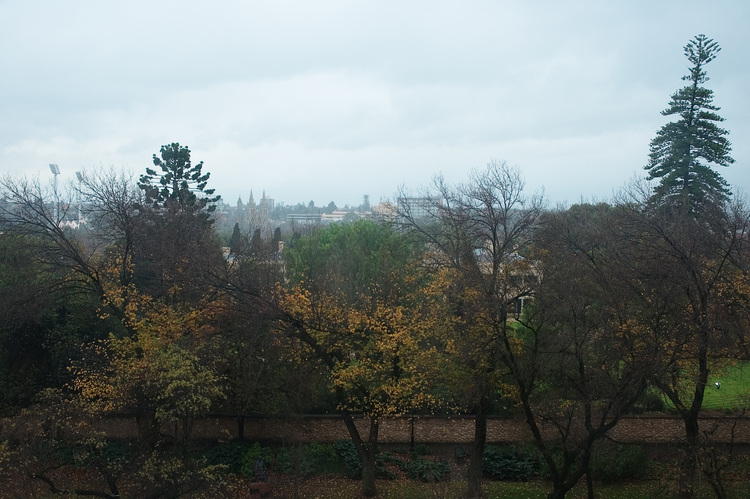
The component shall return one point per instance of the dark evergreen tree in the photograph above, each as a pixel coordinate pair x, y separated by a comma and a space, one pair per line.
276, 240
177, 187
236, 242
683, 151
176, 247
256, 243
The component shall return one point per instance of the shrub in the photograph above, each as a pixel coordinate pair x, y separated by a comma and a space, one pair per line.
348, 454
288, 461
251, 455
324, 457
388, 458
169, 474
612, 462
230, 455
511, 462
427, 471
353, 467
308, 459
115, 452
650, 401
421, 450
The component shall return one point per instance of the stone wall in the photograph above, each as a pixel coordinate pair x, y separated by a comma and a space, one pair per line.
426, 429
460, 429
457, 430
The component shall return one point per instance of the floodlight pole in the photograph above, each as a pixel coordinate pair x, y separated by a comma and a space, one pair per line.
56, 171
79, 176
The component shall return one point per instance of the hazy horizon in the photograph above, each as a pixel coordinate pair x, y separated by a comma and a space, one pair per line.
332, 100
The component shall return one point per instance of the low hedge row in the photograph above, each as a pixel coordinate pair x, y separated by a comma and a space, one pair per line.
610, 462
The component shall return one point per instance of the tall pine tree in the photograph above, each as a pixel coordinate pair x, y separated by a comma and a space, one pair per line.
182, 185
683, 151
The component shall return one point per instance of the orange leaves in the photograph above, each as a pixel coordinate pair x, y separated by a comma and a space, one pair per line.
384, 346
122, 297
362, 303
157, 368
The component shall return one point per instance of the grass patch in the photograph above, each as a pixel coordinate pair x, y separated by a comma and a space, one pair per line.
734, 393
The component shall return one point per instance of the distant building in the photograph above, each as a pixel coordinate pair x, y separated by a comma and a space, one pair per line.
252, 214
384, 211
336, 216
304, 218
416, 208
265, 207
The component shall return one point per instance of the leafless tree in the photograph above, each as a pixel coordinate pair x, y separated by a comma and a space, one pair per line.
80, 250
480, 230
691, 267
579, 366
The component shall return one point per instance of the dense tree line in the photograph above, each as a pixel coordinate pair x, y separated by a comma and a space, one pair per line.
490, 303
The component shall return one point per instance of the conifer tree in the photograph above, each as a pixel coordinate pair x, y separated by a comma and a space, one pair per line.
683, 152
176, 246
236, 245
180, 183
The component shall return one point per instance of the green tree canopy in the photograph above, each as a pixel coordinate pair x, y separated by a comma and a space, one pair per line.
359, 301
683, 151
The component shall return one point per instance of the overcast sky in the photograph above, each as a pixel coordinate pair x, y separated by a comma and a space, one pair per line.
330, 100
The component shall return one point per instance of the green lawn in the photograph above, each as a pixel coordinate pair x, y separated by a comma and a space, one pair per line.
734, 393
735, 388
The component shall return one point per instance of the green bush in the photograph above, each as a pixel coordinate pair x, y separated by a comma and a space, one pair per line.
353, 467
650, 401
166, 473
230, 455
251, 455
309, 459
324, 457
349, 457
288, 461
116, 452
612, 462
519, 463
421, 450
427, 471
388, 457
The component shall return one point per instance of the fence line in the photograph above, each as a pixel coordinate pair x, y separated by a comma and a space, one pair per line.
660, 429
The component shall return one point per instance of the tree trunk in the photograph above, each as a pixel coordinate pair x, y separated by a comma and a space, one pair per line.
241, 427
713, 474
560, 486
691, 464
368, 461
366, 452
474, 476
368, 475
690, 467
148, 429
589, 478
185, 429
111, 483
